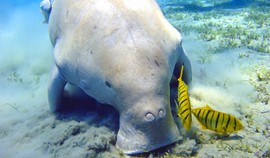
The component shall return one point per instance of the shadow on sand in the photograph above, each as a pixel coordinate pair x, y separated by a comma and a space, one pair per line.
88, 110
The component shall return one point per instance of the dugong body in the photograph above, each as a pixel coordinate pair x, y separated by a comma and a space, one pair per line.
122, 53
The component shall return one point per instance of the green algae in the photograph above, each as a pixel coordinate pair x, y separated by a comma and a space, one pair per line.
241, 28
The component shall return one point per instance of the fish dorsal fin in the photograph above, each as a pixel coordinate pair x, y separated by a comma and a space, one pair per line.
181, 72
208, 107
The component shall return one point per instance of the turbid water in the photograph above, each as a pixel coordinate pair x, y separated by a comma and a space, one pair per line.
227, 42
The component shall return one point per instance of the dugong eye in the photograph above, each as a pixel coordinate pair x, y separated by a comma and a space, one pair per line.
108, 84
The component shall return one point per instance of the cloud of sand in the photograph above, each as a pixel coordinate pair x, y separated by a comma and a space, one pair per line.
25, 57
221, 84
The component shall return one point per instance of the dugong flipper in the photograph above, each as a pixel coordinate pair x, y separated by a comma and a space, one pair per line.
122, 53
56, 89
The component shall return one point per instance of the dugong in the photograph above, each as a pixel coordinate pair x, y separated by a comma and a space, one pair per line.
123, 53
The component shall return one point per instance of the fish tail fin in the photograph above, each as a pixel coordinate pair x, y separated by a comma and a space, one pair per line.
181, 72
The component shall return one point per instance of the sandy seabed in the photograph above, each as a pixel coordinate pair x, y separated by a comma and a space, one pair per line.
235, 81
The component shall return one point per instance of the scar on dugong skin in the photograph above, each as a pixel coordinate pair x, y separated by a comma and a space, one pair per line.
123, 53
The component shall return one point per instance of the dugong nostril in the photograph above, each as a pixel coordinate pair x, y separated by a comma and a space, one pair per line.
149, 116
161, 113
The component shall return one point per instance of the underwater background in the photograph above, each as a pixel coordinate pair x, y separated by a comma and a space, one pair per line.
227, 41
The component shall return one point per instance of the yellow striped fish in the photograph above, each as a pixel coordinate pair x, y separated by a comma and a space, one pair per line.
183, 106
217, 121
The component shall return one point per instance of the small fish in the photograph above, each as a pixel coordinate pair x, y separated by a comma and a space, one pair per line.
183, 106
217, 121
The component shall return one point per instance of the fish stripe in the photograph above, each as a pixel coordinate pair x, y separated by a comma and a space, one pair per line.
231, 124
181, 85
202, 115
217, 120
227, 123
185, 105
181, 92
187, 110
182, 106
206, 118
226, 118
184, 111
234, 126
184, 117
187, 116
183, 101
183, 96
211, 120
199, 112
222, 119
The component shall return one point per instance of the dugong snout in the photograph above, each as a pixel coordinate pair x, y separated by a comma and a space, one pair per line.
145, 127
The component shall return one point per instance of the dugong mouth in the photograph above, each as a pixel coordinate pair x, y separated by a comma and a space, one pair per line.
136, 147
133, 139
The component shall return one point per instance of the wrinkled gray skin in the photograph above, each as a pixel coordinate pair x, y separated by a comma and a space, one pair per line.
122, 53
